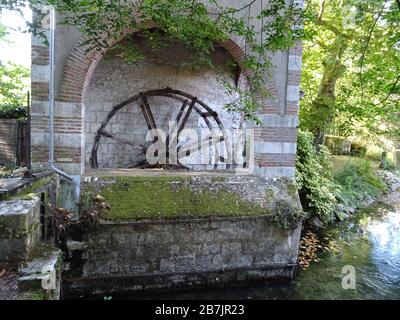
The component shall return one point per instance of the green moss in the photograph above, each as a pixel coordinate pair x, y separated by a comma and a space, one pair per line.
168, 198
36, 186
269, 195
292, 189
287, 216
37, 295
33, 189
8, 232
39, 251
27, 197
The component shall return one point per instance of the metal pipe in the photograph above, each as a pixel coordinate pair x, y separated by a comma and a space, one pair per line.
51, 101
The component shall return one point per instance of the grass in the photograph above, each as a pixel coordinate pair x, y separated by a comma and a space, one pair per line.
339, 162
357, 179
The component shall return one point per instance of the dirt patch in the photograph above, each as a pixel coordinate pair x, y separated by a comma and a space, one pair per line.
8, 285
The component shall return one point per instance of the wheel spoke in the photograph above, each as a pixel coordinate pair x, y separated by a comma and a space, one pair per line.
183, 150
148, 115
181, 126
107, 134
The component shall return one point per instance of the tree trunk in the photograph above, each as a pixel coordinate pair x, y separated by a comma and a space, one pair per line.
324, 104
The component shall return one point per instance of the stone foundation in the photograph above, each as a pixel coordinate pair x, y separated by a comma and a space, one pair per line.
191, 231
132, 257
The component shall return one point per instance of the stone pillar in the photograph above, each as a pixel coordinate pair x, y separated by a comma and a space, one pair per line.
68, 116
276, 139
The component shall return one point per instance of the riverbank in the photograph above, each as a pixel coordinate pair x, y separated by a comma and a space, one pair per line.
357, 184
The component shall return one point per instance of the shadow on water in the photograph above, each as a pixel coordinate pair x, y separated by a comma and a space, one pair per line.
369, 242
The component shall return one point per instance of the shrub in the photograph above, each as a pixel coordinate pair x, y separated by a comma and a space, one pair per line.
12, 112
358, 182
337, 145
314, 178
358, 150
391, 166
374, 155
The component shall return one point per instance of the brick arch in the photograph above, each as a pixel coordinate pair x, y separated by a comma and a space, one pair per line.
81, 65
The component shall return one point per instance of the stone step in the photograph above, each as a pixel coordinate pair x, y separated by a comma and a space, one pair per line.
40, 277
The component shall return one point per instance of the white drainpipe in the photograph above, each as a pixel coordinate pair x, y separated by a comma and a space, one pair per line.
51, 102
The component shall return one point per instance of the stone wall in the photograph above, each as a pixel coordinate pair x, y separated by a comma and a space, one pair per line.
225, 231
129, 257
13, 143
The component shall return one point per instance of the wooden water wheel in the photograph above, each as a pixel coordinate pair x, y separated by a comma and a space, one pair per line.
189, 104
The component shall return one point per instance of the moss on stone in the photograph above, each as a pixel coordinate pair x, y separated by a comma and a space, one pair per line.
36, 295
171, 197
27, 197
292, 189
36, 185
269, 195
9, 232
288, 216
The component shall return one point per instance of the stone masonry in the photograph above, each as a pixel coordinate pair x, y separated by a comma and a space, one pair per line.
80, 75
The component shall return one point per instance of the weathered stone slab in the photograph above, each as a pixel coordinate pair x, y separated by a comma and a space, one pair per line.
13, 187
19, 229
40, 278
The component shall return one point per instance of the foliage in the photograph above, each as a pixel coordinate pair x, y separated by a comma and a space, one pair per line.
373, 155
358, 183
391, 166
13, 112
199, 25
3, 31
351, 67
12, 87
358, 149
337, 145
310, 245
315, 183
287, 216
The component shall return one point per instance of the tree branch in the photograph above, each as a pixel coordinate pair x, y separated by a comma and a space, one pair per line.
393, 87
322, 45
366, 49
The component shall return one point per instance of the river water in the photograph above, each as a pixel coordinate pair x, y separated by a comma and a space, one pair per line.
368, 243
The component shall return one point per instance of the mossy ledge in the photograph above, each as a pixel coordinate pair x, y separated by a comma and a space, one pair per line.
157, 198
171, 198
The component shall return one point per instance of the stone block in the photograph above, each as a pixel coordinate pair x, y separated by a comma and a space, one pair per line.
19, 229
41, 276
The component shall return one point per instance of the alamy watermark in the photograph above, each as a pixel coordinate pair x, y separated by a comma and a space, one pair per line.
227, 148
349, 277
